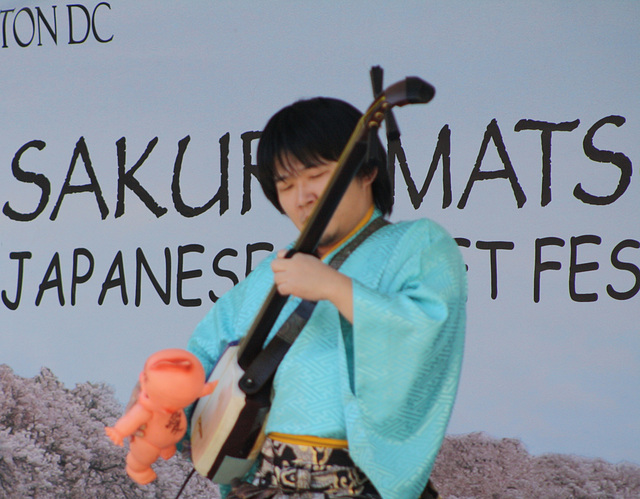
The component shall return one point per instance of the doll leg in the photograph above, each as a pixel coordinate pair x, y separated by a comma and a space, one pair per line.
141, 455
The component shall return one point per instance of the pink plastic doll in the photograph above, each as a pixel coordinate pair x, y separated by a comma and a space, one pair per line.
171, 380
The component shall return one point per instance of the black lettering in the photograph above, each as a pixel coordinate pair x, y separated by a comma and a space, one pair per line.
19, 41
21, 257
493, 247
52, 31
251, 249
442, 151
141, 261
223, 272
541, 266
48, 283
221, 196
93, 186
627, 266
463, 242
127, 179
76, 278
602, 156
87, 16
187, 274
93, 24
4, 27
545, 140
111, 282
576, 268
31, 178
248, 169
493, 133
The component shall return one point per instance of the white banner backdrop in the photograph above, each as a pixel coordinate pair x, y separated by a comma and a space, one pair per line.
129, 203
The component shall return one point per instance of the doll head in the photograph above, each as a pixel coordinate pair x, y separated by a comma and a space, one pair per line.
173, 379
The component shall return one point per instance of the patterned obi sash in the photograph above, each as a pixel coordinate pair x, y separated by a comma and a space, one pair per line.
309, 471
305, 472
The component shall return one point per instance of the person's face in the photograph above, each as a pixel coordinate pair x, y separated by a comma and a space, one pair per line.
300, 187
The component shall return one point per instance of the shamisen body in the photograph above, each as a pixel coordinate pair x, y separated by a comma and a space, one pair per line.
375, 369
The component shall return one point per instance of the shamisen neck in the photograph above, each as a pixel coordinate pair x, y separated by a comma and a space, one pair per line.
323, 252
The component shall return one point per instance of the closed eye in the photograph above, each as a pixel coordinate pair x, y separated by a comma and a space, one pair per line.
282, 186
317, 172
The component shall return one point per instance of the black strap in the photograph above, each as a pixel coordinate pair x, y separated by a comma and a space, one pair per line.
262, 369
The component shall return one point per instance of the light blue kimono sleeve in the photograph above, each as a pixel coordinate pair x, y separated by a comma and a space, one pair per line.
402, 359
231, 316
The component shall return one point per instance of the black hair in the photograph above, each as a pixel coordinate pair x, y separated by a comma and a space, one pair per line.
314, 131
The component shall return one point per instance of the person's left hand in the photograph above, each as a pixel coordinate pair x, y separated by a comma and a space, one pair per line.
304, 276
307, 277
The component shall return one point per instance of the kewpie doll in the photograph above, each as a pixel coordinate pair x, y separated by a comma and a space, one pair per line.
171, 380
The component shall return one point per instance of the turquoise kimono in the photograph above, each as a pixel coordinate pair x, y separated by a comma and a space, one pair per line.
387, 383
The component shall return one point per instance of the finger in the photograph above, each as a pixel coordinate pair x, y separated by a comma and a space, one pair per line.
276, 265
281, 286
280, 264
279, 280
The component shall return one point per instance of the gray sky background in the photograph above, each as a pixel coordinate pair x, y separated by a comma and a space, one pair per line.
560, 375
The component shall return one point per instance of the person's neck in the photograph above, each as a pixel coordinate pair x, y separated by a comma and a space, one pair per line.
324, 251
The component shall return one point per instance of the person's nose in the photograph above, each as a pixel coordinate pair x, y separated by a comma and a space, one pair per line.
305, 194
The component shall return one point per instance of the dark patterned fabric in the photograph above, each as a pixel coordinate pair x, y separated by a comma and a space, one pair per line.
305, 472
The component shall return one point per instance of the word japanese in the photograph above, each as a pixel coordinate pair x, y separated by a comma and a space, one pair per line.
82, 265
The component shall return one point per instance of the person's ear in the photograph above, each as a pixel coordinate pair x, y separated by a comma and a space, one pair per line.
370, 177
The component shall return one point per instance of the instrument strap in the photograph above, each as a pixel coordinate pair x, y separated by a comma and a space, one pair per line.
262, 369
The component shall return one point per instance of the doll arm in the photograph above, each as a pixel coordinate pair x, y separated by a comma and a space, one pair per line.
128, 424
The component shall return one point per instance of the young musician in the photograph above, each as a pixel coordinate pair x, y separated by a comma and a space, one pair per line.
363, 397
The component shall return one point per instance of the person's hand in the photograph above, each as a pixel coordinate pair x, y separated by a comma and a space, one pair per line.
307, 277
302, 275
